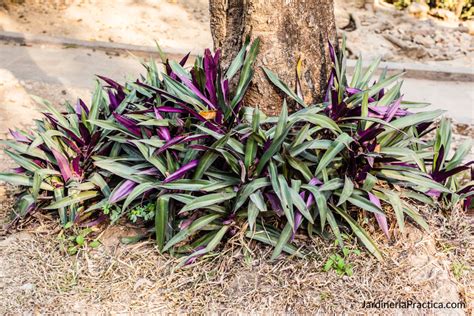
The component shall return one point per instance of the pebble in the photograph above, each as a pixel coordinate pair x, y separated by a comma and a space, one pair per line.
28, 287
426, 41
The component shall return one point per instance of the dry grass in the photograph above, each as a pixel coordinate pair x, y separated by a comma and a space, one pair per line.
38, 277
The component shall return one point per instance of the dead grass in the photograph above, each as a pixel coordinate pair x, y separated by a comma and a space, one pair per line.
38, 277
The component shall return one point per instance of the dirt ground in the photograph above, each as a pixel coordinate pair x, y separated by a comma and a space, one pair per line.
37, 276
182, 24
391, 34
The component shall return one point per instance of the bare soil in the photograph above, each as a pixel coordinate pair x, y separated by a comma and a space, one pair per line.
371, 31
183, 24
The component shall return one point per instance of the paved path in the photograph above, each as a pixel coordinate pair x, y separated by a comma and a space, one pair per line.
76, 67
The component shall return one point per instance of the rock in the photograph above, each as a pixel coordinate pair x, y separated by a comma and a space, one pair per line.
443, 14
360, 4
416, 52
383, 26
419, 10
342, 18
28, 287
425, 31
426, 41
470, 26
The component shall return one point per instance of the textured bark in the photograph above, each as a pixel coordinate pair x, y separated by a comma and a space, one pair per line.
288, 30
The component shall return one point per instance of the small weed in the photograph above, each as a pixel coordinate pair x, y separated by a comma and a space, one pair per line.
339, 263
113, 212
458, 269
146, 212
73, 239
324, 295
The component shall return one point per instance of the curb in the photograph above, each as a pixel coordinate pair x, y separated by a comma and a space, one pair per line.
412, 70
424, 71
31, 39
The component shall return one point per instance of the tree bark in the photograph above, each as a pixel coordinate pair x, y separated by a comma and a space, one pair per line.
288, 30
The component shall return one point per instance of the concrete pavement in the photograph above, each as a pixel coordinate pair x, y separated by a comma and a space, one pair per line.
76, 67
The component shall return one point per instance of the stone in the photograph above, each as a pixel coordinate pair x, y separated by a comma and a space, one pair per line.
444, 14
426, 41
470, 26
416, 52
28, 287
419, 10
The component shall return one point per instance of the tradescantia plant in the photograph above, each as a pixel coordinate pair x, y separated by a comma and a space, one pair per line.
183, 141
55, 166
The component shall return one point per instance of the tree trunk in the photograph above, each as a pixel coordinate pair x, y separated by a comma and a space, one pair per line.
288, 30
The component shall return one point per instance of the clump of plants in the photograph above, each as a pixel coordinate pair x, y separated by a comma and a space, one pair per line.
181, 153
55, 167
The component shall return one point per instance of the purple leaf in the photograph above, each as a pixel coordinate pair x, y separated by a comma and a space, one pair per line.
169, 109
184, 59
73, 136
19, 170
225, 90
111, 82
362, 174
332, 53
52, 120
81, 106
194, 257
369, 134
388, 113
187, 222
128, 124
113, 101
188, 83
210, 71
441, 176
310, 200
149, 172
19, 137
181, 139
423, 128
298, 221
229, 219
352, 91
274, 203
467, 204
163, 131
181, 171
433, 193
76, 168
63, 164
393, 109
381, 219
217, 56
171, 142
330, 86
125, 189
85, 134
437, 166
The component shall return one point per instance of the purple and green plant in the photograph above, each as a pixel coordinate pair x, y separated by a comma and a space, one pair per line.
55, 170
182, 145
